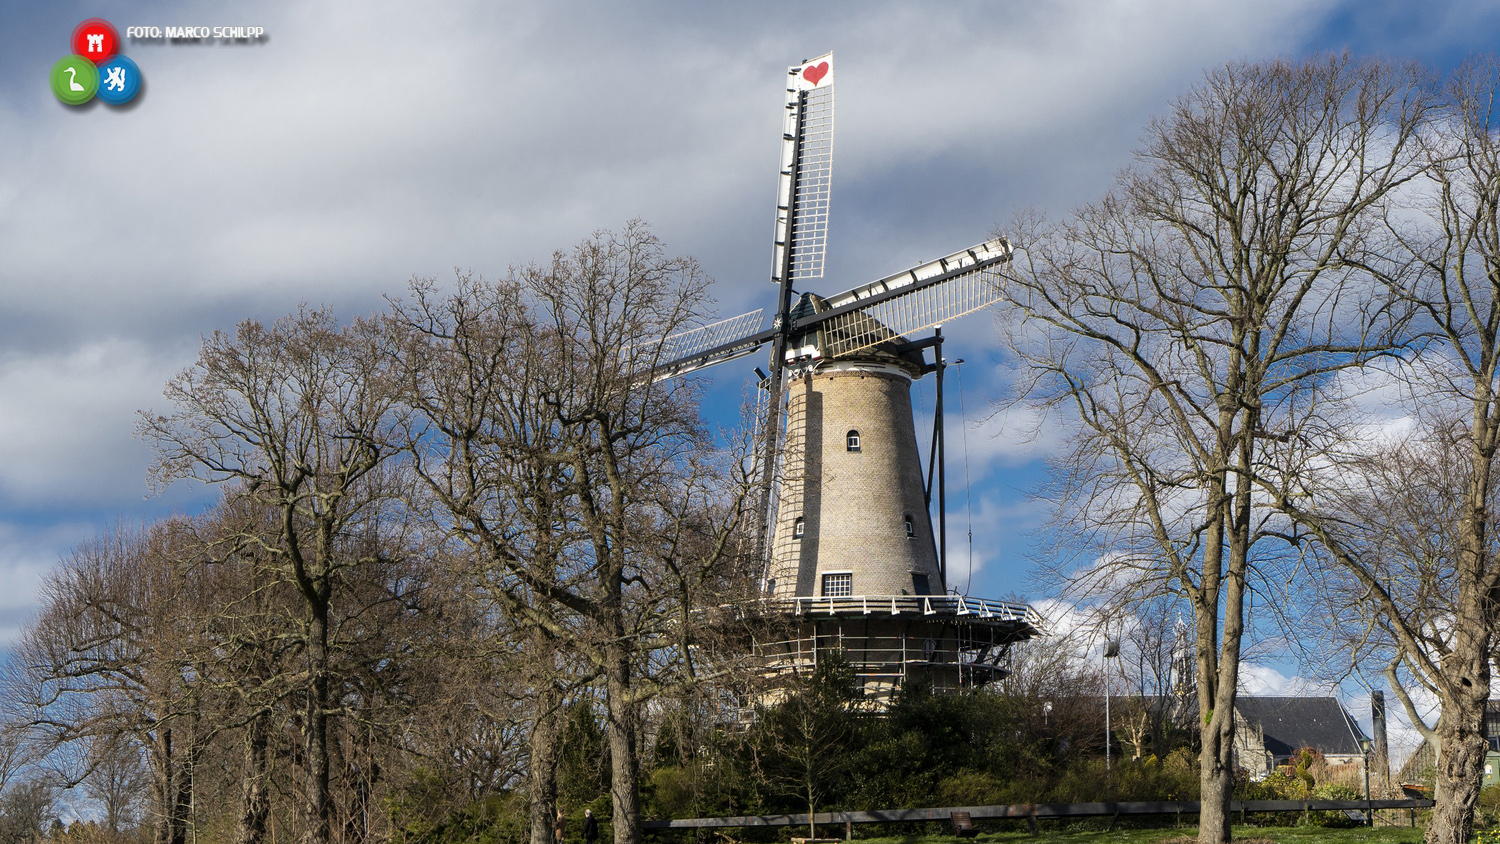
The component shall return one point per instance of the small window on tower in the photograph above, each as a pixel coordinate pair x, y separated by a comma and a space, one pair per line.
840, 585
797, 528
851, 441
911, 531
918, 584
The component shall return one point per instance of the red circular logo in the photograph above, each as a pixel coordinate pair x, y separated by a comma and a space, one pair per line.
96, 40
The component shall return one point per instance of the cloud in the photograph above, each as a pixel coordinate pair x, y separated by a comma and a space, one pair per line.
985, 545
27, 553
1263, 680
67, 423
348, 153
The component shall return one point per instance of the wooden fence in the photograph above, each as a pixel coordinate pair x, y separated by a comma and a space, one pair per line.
1036, 811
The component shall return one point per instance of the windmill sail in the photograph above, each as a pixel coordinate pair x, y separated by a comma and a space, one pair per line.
711, 344
882, 311
919, 298
806, 182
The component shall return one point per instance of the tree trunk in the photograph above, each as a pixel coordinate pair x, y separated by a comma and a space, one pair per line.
1465, 688
255, 797
1216, 778
182, 791
1462, 745
619, 730
361, 775
161, 784
318, 830
544, 747
812, 828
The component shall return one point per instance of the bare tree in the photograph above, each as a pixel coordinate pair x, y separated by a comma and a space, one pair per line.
256, 645
112, 659
575, 482
15, 749
1145, 675
1411, 524
1183, 318
802, 744
298, 415
1058, 691
25, 810
117, 779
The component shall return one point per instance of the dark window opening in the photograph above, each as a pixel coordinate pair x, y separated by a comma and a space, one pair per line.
911, 530
797, 528
919, 584
851, 441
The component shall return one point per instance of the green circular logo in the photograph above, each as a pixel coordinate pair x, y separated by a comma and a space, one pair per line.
75, 79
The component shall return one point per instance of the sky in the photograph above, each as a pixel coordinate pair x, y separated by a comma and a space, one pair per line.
358, 145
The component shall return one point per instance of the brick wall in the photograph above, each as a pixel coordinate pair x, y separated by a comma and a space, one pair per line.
853, 504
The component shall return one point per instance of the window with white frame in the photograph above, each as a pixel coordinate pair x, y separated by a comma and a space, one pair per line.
839, 584
851, 441
911, 530
797, 528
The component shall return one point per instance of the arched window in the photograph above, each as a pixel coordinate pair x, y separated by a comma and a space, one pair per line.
797, 528
851, 441
911, 531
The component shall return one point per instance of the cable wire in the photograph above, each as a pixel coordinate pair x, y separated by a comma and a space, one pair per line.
963, 421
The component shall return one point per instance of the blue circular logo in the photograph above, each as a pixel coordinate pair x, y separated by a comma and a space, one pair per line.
119, 81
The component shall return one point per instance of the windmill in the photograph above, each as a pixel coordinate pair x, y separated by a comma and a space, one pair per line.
847, 540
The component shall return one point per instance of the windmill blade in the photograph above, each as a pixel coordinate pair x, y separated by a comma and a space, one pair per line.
711, 344
924, 296
806, 183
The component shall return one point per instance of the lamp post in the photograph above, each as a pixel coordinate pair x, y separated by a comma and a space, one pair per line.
1364, 747
1111, 650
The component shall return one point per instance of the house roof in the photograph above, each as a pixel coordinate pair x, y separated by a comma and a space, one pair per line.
1290, 723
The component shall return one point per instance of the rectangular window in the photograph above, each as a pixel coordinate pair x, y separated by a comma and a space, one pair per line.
919, 584
838, 585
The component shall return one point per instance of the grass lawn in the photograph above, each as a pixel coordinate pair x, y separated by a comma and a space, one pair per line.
1186, 835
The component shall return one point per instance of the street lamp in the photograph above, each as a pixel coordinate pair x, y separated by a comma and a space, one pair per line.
1111, 650
1364, 748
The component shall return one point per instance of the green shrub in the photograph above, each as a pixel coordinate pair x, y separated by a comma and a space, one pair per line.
1088, 781
1277, 786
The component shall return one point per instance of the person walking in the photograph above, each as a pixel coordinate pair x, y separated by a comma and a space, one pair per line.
590, 827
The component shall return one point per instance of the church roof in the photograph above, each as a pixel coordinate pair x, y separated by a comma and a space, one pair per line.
1290, 723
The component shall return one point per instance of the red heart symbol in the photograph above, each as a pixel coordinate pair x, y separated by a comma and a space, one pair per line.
814, 73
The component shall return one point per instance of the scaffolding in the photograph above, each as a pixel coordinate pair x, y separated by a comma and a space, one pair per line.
950, 641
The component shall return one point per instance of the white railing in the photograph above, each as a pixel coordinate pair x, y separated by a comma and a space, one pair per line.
953, 605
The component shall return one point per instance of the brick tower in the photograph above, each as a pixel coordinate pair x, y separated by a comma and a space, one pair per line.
852, 516
853, 564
